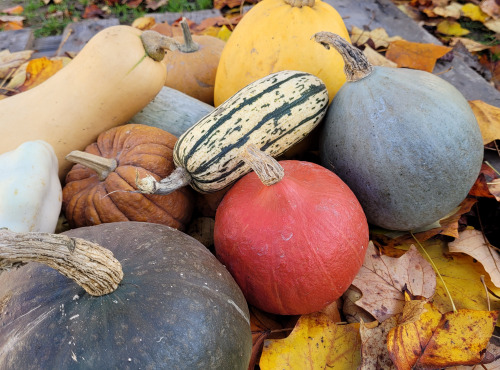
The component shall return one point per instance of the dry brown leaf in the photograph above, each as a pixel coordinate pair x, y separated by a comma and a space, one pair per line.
473, 243
452, 10
481, 187
490, 7
488, 118
374, 354
14, 10
415, 55
351, 311
470, 45
377, 59
9, 62
494, 188
379, 37
383, 279
493, 25
437, 341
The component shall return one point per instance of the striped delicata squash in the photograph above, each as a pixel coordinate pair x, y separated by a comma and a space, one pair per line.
273, 113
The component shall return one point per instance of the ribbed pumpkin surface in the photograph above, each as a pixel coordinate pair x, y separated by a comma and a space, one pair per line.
295, 246
141, 149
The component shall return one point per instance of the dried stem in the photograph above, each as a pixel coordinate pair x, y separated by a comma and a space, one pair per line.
266, 167
155, 44
189, 45
91, 266
103, 166
179, 178
356, 65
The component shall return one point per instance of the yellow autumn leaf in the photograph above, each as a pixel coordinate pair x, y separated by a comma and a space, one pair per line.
210, 31
474, 12
38, 70
144, 23
315, 343
451, 28
224, 33
488, 118
438, 340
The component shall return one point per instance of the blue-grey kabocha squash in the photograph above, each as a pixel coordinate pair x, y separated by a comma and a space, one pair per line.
176, 307
405, 141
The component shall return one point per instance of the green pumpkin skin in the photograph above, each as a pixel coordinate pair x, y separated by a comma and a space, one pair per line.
176, 308
406, 142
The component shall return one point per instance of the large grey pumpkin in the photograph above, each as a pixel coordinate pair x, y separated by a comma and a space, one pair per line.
405, 141
177, 307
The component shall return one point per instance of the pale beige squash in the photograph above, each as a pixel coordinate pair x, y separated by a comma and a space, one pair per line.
275, 35
107, 83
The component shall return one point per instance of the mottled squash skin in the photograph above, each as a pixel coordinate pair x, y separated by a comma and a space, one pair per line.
406, 142
177, 307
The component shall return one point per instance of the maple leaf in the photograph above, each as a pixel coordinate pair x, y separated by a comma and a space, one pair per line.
473, 243
415, 55
351, 311
383, 279
316, 342
438, 340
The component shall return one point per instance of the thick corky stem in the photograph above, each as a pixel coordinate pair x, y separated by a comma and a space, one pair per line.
155, 44
266, 167
356, 65
176, 180
102, 166
189, 45
91, 266
300, 3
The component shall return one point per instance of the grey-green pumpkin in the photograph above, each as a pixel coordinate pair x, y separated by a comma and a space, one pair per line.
405, 141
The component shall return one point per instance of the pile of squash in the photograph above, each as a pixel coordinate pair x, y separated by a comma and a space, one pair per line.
110, 165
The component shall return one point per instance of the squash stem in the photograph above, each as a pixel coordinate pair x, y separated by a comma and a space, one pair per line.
189, 45
179, 178
155, 44
300, 3
91, 266
356, 65
266, 167
102, 166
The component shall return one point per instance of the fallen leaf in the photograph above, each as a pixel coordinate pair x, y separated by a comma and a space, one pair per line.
494, 188
383, 279
11, 22
472, 242
351, 311
488, 118
224, 33
437, 341
451, 28
92, 11
452, 10
493, 25
374, 353
378, 36
9, 62
474, 12
144, 23
15, 10
377, 59
39, 70
481, 187
491, 8
154, 4
316, 342
471, 45
415, 55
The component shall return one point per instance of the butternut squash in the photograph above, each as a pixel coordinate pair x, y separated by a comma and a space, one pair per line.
117, 73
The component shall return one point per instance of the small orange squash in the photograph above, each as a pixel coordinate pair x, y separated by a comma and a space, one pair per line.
100, 188
275, 35
192, 68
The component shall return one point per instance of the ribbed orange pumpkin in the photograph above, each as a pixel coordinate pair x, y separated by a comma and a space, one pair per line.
124, 152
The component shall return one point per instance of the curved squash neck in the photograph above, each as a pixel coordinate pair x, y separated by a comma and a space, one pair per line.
300, 3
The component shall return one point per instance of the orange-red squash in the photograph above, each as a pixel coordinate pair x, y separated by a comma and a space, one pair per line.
295, 244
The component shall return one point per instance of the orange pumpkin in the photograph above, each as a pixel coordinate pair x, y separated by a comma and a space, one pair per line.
100, 187
192, 69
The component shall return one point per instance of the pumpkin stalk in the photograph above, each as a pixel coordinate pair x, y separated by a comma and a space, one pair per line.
91, 266
356, 65
155, 44
266, 167
300, 3
189, 45
102, 166
176, 180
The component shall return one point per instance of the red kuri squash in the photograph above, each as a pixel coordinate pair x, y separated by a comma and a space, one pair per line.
293, 241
